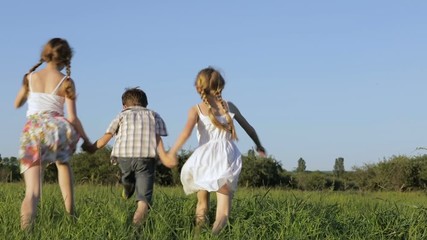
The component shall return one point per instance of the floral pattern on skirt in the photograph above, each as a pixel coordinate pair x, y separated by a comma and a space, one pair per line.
47, 137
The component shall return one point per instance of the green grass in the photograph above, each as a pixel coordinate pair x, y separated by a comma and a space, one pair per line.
256, 214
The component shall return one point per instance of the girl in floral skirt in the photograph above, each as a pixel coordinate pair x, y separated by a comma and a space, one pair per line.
48, 136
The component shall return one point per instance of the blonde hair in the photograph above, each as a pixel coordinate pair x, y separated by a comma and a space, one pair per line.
58, 51
210, 82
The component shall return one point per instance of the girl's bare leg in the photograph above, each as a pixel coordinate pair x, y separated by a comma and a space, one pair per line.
223, 209
202, 208
32, 178
65, 180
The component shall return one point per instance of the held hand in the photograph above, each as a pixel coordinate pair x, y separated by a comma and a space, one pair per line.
261, 151
173, 158
169, 160
88, 147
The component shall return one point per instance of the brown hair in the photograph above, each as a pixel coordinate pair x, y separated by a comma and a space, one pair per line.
134, 97
56, 50
210, 82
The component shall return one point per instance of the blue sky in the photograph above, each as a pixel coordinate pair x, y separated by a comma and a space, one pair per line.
317, 79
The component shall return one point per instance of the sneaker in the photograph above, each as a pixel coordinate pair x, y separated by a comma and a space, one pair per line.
128, 191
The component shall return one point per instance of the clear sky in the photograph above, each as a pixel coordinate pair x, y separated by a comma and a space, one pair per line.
317, 79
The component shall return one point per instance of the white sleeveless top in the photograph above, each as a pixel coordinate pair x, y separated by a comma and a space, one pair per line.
207, 131
42, 102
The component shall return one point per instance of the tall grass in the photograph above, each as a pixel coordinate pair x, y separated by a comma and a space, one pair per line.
256, 214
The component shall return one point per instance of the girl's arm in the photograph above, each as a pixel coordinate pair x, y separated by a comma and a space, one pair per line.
164, 158
21, 97
186, 132
248, 128
72, 117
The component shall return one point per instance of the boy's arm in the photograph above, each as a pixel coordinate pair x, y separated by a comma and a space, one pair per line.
101, 142
109, 133
169, 162
248, 128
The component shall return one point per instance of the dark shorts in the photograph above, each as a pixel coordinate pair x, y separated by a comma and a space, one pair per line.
139, 171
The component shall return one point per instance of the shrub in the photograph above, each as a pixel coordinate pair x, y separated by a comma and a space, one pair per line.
261, 172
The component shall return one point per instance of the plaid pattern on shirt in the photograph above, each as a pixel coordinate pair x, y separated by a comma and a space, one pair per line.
135, 130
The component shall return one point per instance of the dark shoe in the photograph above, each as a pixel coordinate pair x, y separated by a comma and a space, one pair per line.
128, 191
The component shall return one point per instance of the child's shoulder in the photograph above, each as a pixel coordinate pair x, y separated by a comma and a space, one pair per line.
151, 111
142, 111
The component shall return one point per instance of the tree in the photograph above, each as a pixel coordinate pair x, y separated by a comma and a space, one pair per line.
9, 169
339, 167
301, 165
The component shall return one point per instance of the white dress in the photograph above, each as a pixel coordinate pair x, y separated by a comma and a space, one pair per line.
215, 162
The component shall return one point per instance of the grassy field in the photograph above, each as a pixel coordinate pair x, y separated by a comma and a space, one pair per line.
256, 214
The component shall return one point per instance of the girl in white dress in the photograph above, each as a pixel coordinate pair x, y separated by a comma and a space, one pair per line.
215, 164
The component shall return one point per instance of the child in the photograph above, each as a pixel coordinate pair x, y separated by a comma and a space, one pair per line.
138, 132
215, 164
48, 136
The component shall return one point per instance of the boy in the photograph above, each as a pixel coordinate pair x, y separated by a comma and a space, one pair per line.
138, 132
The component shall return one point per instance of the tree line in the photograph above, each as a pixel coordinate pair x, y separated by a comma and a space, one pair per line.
397, 173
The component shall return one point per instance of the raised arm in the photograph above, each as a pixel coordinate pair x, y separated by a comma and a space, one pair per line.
248, 128
186, 132
21, 97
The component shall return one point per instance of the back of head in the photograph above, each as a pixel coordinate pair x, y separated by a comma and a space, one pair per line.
209, 82
57, 50
134, 97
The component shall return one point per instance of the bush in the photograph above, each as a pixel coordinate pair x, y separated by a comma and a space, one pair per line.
95, 168
171, 177
261, 172
312, 181
399, 173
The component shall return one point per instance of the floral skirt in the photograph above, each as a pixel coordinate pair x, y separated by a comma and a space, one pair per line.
47, 137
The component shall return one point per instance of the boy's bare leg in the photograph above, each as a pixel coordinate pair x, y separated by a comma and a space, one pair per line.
140, 213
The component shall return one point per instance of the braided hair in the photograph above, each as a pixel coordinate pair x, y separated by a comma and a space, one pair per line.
210, 82
25, 80
56, 50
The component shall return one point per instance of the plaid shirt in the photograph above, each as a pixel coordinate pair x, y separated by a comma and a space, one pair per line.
135, 130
